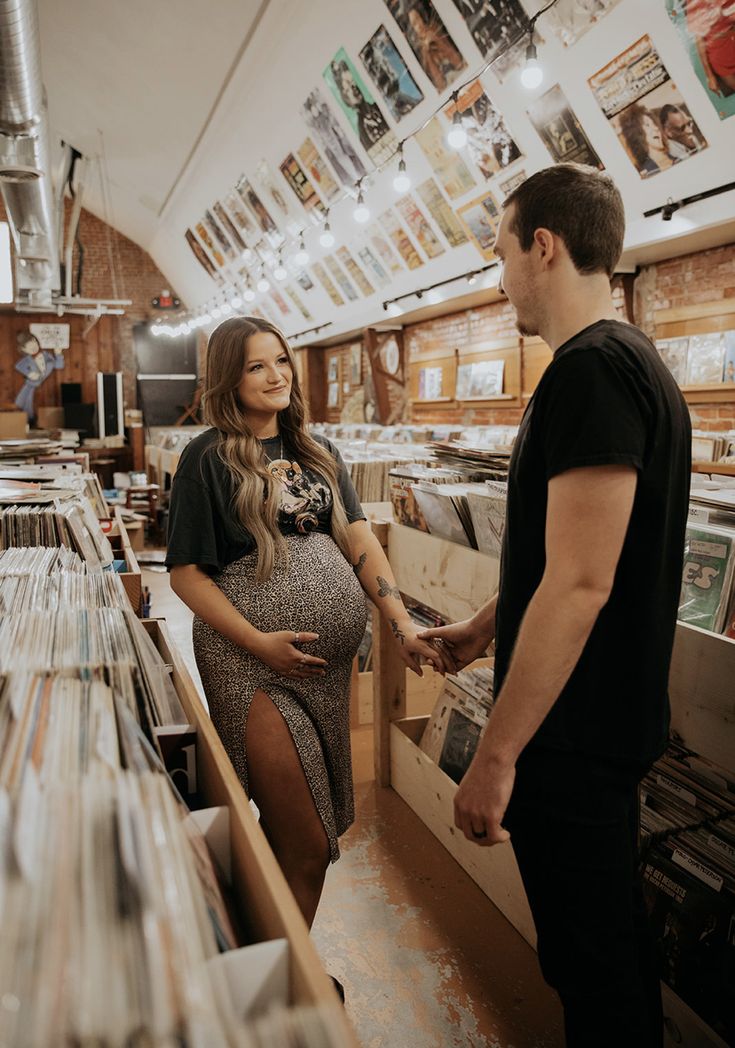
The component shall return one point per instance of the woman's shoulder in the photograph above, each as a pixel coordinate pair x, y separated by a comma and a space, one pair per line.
199, 456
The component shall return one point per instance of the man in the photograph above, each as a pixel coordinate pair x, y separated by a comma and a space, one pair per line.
678, 130
585, 615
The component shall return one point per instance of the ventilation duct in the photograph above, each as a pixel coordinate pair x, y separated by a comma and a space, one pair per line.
25, 169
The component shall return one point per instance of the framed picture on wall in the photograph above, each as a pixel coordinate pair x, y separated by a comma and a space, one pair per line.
333, 369
356, 363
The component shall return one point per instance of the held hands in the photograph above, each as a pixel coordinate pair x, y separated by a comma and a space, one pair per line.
281, 653
460, 644
413, 650
481, 801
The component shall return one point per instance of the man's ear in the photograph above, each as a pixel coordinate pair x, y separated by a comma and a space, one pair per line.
545, 241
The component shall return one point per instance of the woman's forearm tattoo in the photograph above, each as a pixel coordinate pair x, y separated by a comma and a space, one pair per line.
357, 568
397, 632
386, 589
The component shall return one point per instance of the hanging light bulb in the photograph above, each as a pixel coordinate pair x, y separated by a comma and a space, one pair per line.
263, 284
280, 272
402, 179
301, 258
361, 213
247, 254
326, 237
532, 74
248, 294
216, 312
235, 301
226, 308
206, 319
457, 137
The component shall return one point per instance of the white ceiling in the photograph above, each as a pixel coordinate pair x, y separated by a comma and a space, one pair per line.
189, 96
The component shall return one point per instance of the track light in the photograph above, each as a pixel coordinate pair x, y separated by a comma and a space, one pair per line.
667, 211
361, 214
457, 137
402, 180
532, 74
472, 279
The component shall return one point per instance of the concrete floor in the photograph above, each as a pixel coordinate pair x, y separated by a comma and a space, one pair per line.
427, 961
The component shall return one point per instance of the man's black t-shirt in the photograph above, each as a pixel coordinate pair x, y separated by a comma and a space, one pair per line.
203, 528
606, 398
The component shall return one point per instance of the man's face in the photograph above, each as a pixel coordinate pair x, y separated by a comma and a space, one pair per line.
517, 275
349, 88
680, 128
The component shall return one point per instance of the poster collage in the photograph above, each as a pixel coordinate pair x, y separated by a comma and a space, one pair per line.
353, 123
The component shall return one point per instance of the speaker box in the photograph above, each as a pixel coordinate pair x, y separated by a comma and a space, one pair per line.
81, 417
110, 419
71, 393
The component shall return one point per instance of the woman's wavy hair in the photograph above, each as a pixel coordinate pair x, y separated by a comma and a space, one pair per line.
255, 496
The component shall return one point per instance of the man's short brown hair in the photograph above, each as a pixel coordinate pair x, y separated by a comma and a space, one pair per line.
581, 205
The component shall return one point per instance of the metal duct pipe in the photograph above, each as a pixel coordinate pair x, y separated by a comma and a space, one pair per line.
25, 167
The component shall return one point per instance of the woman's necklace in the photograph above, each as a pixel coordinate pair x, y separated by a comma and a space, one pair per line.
276, 466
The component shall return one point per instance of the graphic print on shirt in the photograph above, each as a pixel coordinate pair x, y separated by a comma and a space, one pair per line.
300, 492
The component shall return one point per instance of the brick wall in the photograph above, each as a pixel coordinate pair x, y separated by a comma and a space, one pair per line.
114, 267
703, 276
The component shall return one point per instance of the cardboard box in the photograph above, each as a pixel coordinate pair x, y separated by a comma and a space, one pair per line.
50, 418
13, 425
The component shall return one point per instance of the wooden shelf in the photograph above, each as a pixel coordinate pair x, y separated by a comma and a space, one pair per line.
268, 909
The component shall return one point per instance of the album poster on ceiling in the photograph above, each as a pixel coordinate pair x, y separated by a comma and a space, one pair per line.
274, 188
428, 38
400, 240
326, 281
297, 178
229, 226
448, 165
488, 139
206, 238
500, 31
417, 223
390, 74
371, 263
256, 205
481, 217
570, 19
279, 300
219, 235
646, 109
237, 209
201, 255
512, 182
304, 280
707, 29
313, 164
442, 213
384, 249
342, 282
362, 111
560, 130
355, 272
296, 299
337, 148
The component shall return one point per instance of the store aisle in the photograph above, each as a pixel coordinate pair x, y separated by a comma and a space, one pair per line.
426, 959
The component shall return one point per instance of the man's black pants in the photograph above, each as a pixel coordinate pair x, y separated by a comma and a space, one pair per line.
573, 820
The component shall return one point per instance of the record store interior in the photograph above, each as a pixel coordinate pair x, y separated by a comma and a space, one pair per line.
367, 523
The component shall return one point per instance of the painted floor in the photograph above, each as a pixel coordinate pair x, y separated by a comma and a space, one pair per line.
426, 960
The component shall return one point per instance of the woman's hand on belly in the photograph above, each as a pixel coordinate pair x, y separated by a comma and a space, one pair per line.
281, 652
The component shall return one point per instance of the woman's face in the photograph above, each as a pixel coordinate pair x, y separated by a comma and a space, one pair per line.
265, 386
652, 133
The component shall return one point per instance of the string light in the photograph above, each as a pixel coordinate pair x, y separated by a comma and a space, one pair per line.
532, 74
402, 179
216, 312
236, 302
361, 214
263, 283
457, 137
301, 258
248, 294
280, 272
326, 237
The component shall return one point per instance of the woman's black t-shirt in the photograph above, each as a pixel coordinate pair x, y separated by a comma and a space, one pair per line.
203, 528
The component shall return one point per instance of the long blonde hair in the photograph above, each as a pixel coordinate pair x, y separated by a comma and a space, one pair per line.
256, 496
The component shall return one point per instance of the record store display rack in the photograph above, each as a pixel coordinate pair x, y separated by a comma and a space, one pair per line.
139, 900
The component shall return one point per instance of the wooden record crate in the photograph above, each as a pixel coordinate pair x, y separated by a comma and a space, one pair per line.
456, 582
131, 578
266, 907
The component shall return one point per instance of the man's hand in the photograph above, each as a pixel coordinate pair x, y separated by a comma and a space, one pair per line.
481, 800
464, 641
413, 650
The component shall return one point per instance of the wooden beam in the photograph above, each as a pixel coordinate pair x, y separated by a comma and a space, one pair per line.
389, 684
